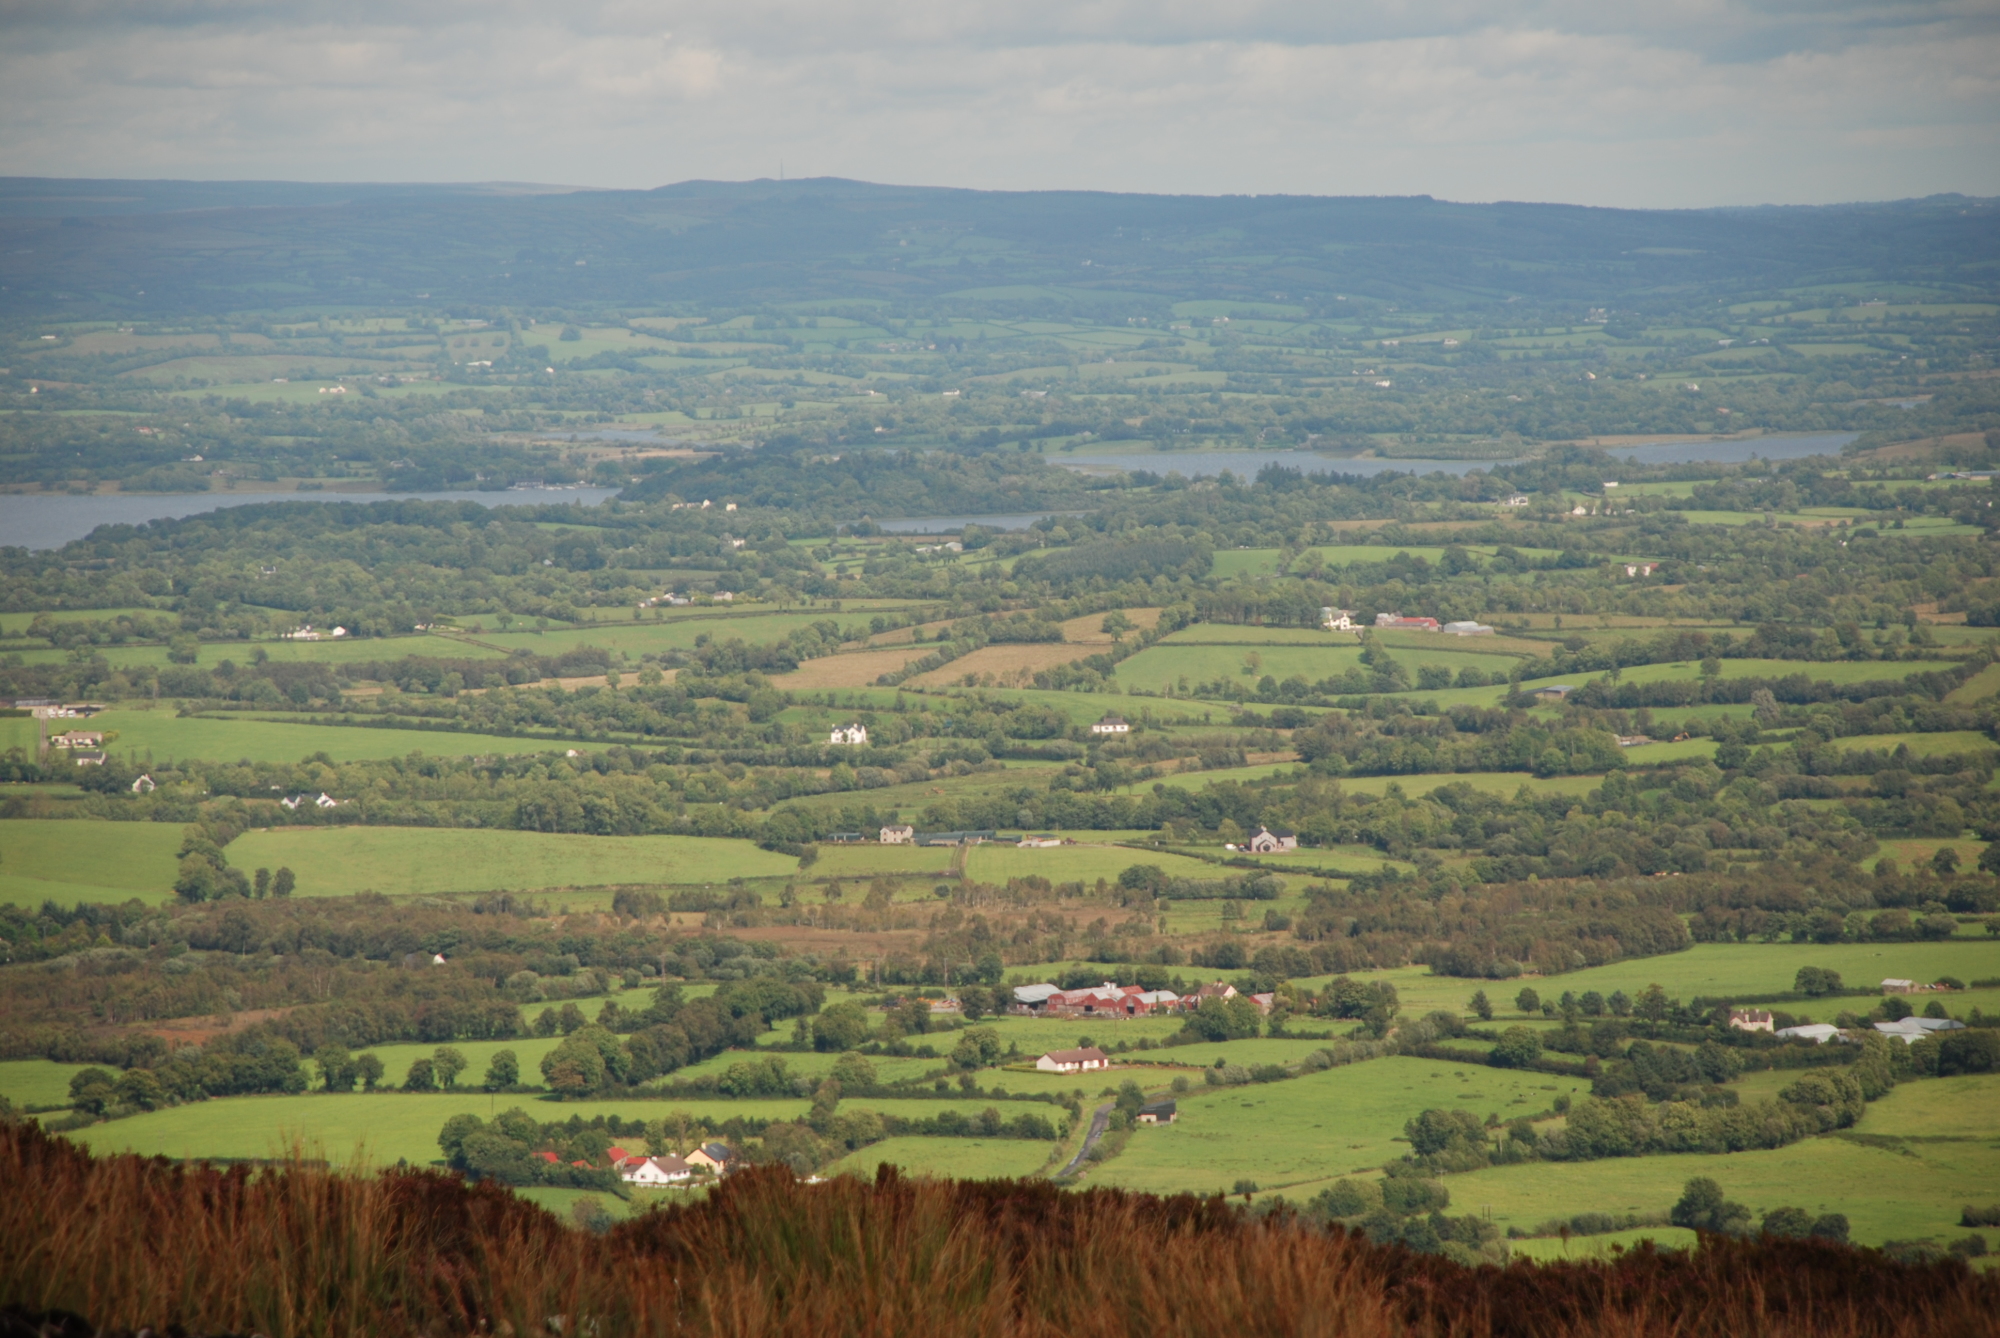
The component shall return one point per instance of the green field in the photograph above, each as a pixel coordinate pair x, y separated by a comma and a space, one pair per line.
871, 858
378, 1128
1084, 863
46, 859
37, 1082
1902, 1190
147, 735
959, 1158
1163, 666
1717, 969
1340, 1122
340, 861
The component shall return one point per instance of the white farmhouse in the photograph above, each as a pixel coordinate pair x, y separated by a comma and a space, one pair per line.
850, 736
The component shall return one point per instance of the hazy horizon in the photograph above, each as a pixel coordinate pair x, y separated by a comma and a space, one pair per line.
1721, 103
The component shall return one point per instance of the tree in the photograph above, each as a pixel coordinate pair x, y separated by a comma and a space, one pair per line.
282, 883
449, 1063
140, 1088
1481, 1006
1652, 1004
1815, 981
853, 1070
840, 1027
336, 1067
1518, 1048
91, 1091
183, 648
1793, 1222
262, 883
422, 1076
503, 1072
369, 1068
1528, 1001
977, 1048
1703, 1208
1945, 862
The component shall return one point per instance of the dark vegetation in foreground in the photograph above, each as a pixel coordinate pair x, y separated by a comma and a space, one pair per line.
131, 1242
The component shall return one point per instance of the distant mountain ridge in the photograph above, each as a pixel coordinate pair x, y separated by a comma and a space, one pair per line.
133, 248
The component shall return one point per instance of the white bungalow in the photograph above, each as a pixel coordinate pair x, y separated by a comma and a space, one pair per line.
1087, 1060
1111, 724
667, 1170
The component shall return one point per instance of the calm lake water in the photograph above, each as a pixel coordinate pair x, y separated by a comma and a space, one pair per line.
49, 521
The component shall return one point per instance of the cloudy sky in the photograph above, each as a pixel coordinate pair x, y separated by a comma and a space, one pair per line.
1671, 103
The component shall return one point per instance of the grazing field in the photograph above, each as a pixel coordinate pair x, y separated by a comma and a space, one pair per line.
1718, 969
365, 1128
1343, 1121
21, 732
37, 1082
45, 859
959, 1158
1940, 744
1078, 863
144, 736
1900, 1180
871, 858
404, 861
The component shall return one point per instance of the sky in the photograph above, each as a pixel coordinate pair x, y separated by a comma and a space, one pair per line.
1671, 103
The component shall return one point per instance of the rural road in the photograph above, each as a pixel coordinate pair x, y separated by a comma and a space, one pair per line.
1098, 1120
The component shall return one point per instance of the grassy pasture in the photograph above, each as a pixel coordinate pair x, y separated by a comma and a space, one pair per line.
958, 1158
1340, 1122
21, 732
402, 861
37, 1082
1162, 666
364, 1128
1081, 862
871, 858
144, 735
1913, 1188
1719, 969
1920, 745
49, 859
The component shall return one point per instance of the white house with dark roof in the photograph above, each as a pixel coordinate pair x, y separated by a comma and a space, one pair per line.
1111, 724
1089, 1059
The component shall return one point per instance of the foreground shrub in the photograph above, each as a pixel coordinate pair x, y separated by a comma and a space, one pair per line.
293, 1250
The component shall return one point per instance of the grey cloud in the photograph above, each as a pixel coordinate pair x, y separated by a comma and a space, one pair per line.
1687, 102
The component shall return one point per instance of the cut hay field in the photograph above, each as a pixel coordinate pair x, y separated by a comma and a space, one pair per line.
1011, 664
408, 861
1939, 1153
372, 1128
1920, 745
1339, 1122
160, 734
856, 669
67, 861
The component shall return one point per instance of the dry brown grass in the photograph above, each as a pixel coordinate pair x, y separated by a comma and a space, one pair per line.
1006, 666
296, 1250
856, 669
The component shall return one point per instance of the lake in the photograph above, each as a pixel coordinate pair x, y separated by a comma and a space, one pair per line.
953, 524
50, 520
1734, 452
